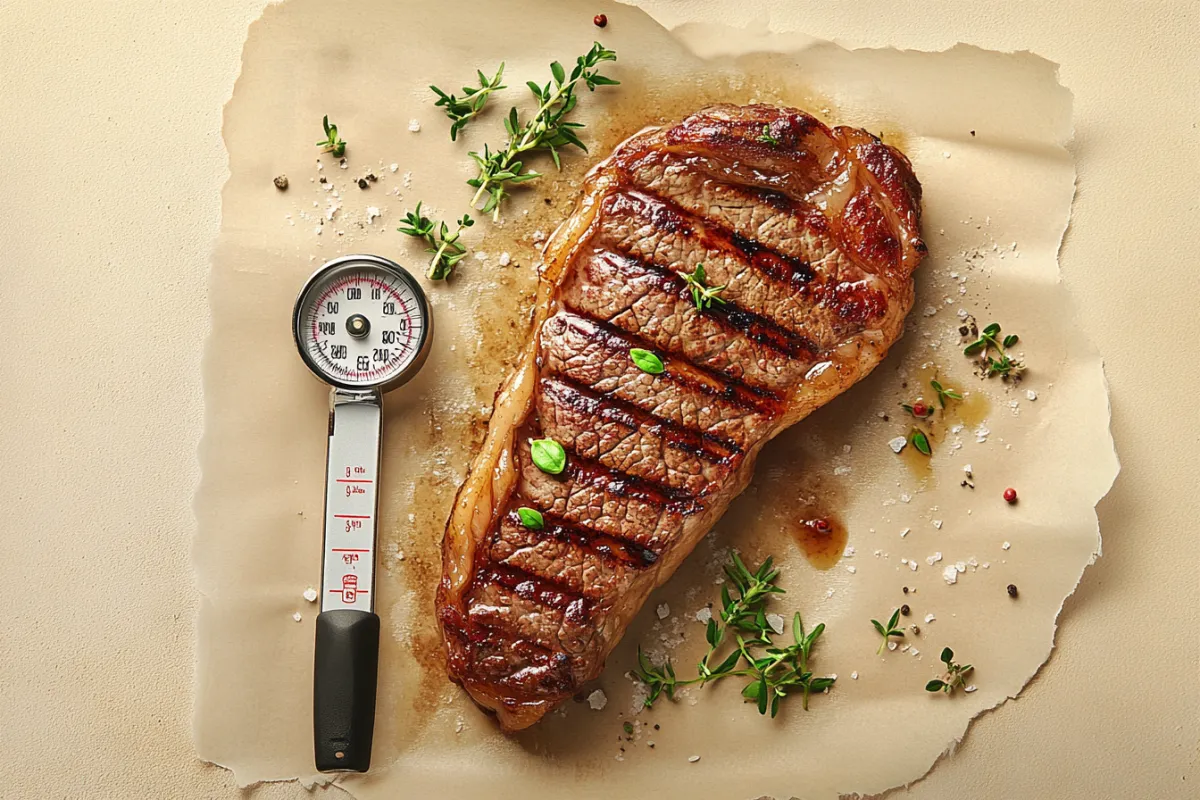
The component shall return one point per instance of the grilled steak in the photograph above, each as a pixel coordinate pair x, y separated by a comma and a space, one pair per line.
813, 232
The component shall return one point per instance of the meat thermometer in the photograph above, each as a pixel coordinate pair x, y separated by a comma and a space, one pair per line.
362, 326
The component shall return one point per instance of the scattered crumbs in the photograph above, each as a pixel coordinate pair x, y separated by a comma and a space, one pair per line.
1005, 546
412, 517
663, 611
970, 688
854, 675
693, 759
905, 532
981, 433
505, 259
950, 574
973, 561
1030, 394
393, 166
852, 569
460, 725
297, 616
597, 700
898, 444
372, 213
414, 125
933, 559
843, 470
937, 523
929, 618
704, 615
310, 594
407, 179
828, 593
776, 622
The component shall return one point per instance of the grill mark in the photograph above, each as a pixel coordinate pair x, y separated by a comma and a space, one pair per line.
738, 392
731, 317
613, 409
534, 588
613, 549
668, 215
584, 471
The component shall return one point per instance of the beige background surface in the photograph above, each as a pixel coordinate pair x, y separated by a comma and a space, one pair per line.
111, 179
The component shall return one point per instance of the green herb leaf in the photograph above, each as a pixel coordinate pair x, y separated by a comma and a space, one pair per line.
992, 330
447, 250
920, 441
646, 361
1000, 364
702, 294
887, 631
935, 685
947, 655
462, 111
767, 138
531, 518
1010, 340
331, 143
548, 455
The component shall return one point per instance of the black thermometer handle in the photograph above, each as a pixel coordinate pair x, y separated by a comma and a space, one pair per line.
344, 681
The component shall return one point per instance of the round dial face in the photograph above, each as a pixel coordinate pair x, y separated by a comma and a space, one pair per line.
361, 323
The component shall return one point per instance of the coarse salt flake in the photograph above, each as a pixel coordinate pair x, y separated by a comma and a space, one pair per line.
597, 700
1030, 394
933, 559
897, 444
950, 574
905, 532
852, 569
937, 523
297, 616
663, 611
854, 675
310, 594
776, 622
414, 125
372, 213
505, 259
693, 759
1005, 546
704, 615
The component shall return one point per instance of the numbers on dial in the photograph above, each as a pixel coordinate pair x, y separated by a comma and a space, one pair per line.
394, 330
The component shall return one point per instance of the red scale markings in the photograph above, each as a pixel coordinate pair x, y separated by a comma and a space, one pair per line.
358, 280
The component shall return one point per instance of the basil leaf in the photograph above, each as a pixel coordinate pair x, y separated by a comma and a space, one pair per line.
548, 456
531, 518
921, 442
646, 361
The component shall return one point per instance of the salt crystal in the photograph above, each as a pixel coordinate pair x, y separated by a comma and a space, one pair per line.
663, 611
906, 497
897, 444
776, 622
960, 566
970, 688
973, 561
967, 469
950, 575
693, 759
852, 570
854, 675
480, 255
597, 700
914, 652
930, 311
892, 645
704, 615
310, 594
1005, 546
1030, 394
848, 552
297, 616
981, 433
505, 259
933, 559
904, 532
372, 213
414, 125
937, 523
929, 618
841, 470
912, 565
394, 166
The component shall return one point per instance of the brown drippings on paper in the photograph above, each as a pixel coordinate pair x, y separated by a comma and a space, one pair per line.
821, 536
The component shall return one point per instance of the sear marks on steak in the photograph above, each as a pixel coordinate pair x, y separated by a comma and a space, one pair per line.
815, 240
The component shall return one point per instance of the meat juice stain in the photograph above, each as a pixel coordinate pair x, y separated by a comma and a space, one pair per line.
969, 412
822, 538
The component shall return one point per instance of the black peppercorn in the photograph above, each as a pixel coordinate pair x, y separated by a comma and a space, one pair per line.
904, 609
1012, 590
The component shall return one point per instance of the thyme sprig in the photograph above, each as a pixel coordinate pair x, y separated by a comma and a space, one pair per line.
445, 246
547, 130
462, 111
888, 631
944, 394
773, 674
989, 340
954, 677
766, 138
331, 143
703, 295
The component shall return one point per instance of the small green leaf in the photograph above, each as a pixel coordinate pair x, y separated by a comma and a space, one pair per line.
712, 633
728, 664
879, 627
921, 442
560, 75
531, 518
548, 455
646, 361
935, 685
750, 690
974, 347
895, 618
1010, 340
992, 330
947, 655
762, 695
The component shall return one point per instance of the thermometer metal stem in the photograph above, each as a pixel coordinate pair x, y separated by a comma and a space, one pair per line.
363, 326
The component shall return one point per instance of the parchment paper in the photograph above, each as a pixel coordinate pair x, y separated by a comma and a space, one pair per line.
985, 132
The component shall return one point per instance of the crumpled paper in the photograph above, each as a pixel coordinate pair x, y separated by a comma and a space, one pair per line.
986, 134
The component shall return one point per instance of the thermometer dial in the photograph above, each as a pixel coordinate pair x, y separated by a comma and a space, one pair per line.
362, 322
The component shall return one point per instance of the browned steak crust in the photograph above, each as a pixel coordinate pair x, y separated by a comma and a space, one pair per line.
814, 237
